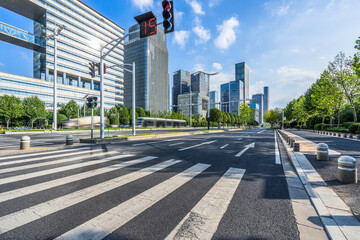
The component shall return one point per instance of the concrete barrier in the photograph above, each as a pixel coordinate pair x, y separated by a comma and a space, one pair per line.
322, 153
344, 135
347, 171
25, 142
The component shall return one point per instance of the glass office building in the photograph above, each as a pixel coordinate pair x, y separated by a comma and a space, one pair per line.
242, 73
152, 75
225, 96
197, 105
255, 108
181, 85
236, 96
214, 99
200, 83
259, 100
78, 44
266, 99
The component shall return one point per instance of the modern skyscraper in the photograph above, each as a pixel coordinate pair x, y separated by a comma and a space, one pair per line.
259, 100
181, 85
236, 96
77, 45
225, 96
266, 99
200, 83
214, 98
242, 73
152, 78
199, 104
255, 106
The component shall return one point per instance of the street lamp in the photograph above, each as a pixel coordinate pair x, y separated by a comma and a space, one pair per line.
54, 36
208, 115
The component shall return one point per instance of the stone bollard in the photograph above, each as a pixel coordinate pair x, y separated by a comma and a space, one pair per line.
344, 135
296, 147
339, 134
292, 141
358, 137
350, 135
25, 142
69, 140
322, 153
347, 171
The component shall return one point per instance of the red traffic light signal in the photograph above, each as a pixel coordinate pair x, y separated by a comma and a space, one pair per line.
168, 14
92, 69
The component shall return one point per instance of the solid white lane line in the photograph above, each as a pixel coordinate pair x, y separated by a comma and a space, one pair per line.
277, 154
140, 144
203, 220
261, 131
197, 145
46, 162
62, 181
43, 153
224, 146
19, 177
176, 144
36, 212
104, 224
239, 139
252, 145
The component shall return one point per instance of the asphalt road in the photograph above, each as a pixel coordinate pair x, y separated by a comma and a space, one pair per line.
350, 193
12, 141
211, 186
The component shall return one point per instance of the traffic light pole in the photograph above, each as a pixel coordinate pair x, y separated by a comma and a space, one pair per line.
133, 101
92, 123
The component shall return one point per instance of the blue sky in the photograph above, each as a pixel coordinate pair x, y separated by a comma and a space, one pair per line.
287, 44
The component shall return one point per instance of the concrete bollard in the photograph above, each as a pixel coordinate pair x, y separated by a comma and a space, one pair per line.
296, 147
322, 153
358, 137
339, 134
292, 142
347, 171
350, 135
25, 142
69, 140
344, 135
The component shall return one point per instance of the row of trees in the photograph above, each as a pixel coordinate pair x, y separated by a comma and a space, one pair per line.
334, 93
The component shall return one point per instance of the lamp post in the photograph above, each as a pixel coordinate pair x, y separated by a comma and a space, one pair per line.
54, 36
190, 107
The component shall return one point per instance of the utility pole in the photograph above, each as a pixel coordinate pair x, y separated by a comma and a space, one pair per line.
190, 107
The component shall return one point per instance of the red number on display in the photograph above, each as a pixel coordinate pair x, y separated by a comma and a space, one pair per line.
152, 26
145, 28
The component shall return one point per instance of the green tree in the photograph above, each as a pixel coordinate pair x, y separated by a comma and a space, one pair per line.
61, 118
245, 113
272, 116
70, 110
34, 109
216, 116
140, 112
10, 108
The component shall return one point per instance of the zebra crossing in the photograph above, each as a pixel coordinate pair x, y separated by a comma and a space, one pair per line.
82, 164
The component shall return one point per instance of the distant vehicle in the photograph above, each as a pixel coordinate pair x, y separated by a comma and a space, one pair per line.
84, 122
148, 122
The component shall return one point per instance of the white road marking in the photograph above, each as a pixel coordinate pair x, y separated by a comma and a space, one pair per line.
19, 177
252, 145
239, 139
261, 131
140, 144
36, 212
62, 181
176, 144
104, 224
277, 154
43, 158
197, 145
43, 153
203, 220
224, 146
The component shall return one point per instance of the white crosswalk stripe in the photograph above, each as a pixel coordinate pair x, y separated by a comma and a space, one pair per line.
121, 214
203, 220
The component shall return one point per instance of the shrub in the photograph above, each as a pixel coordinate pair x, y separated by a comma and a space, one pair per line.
353, 128
321, 126
338, 129
298, 127
347, 124
317, 126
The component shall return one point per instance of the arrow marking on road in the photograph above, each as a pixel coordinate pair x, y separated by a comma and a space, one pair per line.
252, 145
198, 145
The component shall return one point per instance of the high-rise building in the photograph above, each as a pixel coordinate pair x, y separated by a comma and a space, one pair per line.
266, 99
255, 107
214, 96
259, 100
199, 104
200, 83
152, 78
225, 96
242, 73
77, 45
236, 96
181, 85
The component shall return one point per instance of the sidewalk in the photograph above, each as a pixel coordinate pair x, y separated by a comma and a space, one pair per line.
335, 214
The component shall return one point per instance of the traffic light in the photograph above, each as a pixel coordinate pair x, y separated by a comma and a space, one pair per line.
92, 69
91, 102
104, 68
168, 14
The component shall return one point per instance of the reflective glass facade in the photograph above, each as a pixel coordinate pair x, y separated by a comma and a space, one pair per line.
199, 104
225, 97
181, 85
259, 100
214, 99
200, 83
266, 99
242, 73
236, 96
77, 45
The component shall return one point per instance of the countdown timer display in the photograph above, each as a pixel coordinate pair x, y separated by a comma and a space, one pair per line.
148, 28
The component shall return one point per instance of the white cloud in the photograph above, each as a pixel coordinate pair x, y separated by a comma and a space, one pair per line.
217, 80
213, 3
289, 74
277, 10
196, 6
181, 37
199, 67
295, 50
203, 34
178, 17
217, 66
143, 4
227, 35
